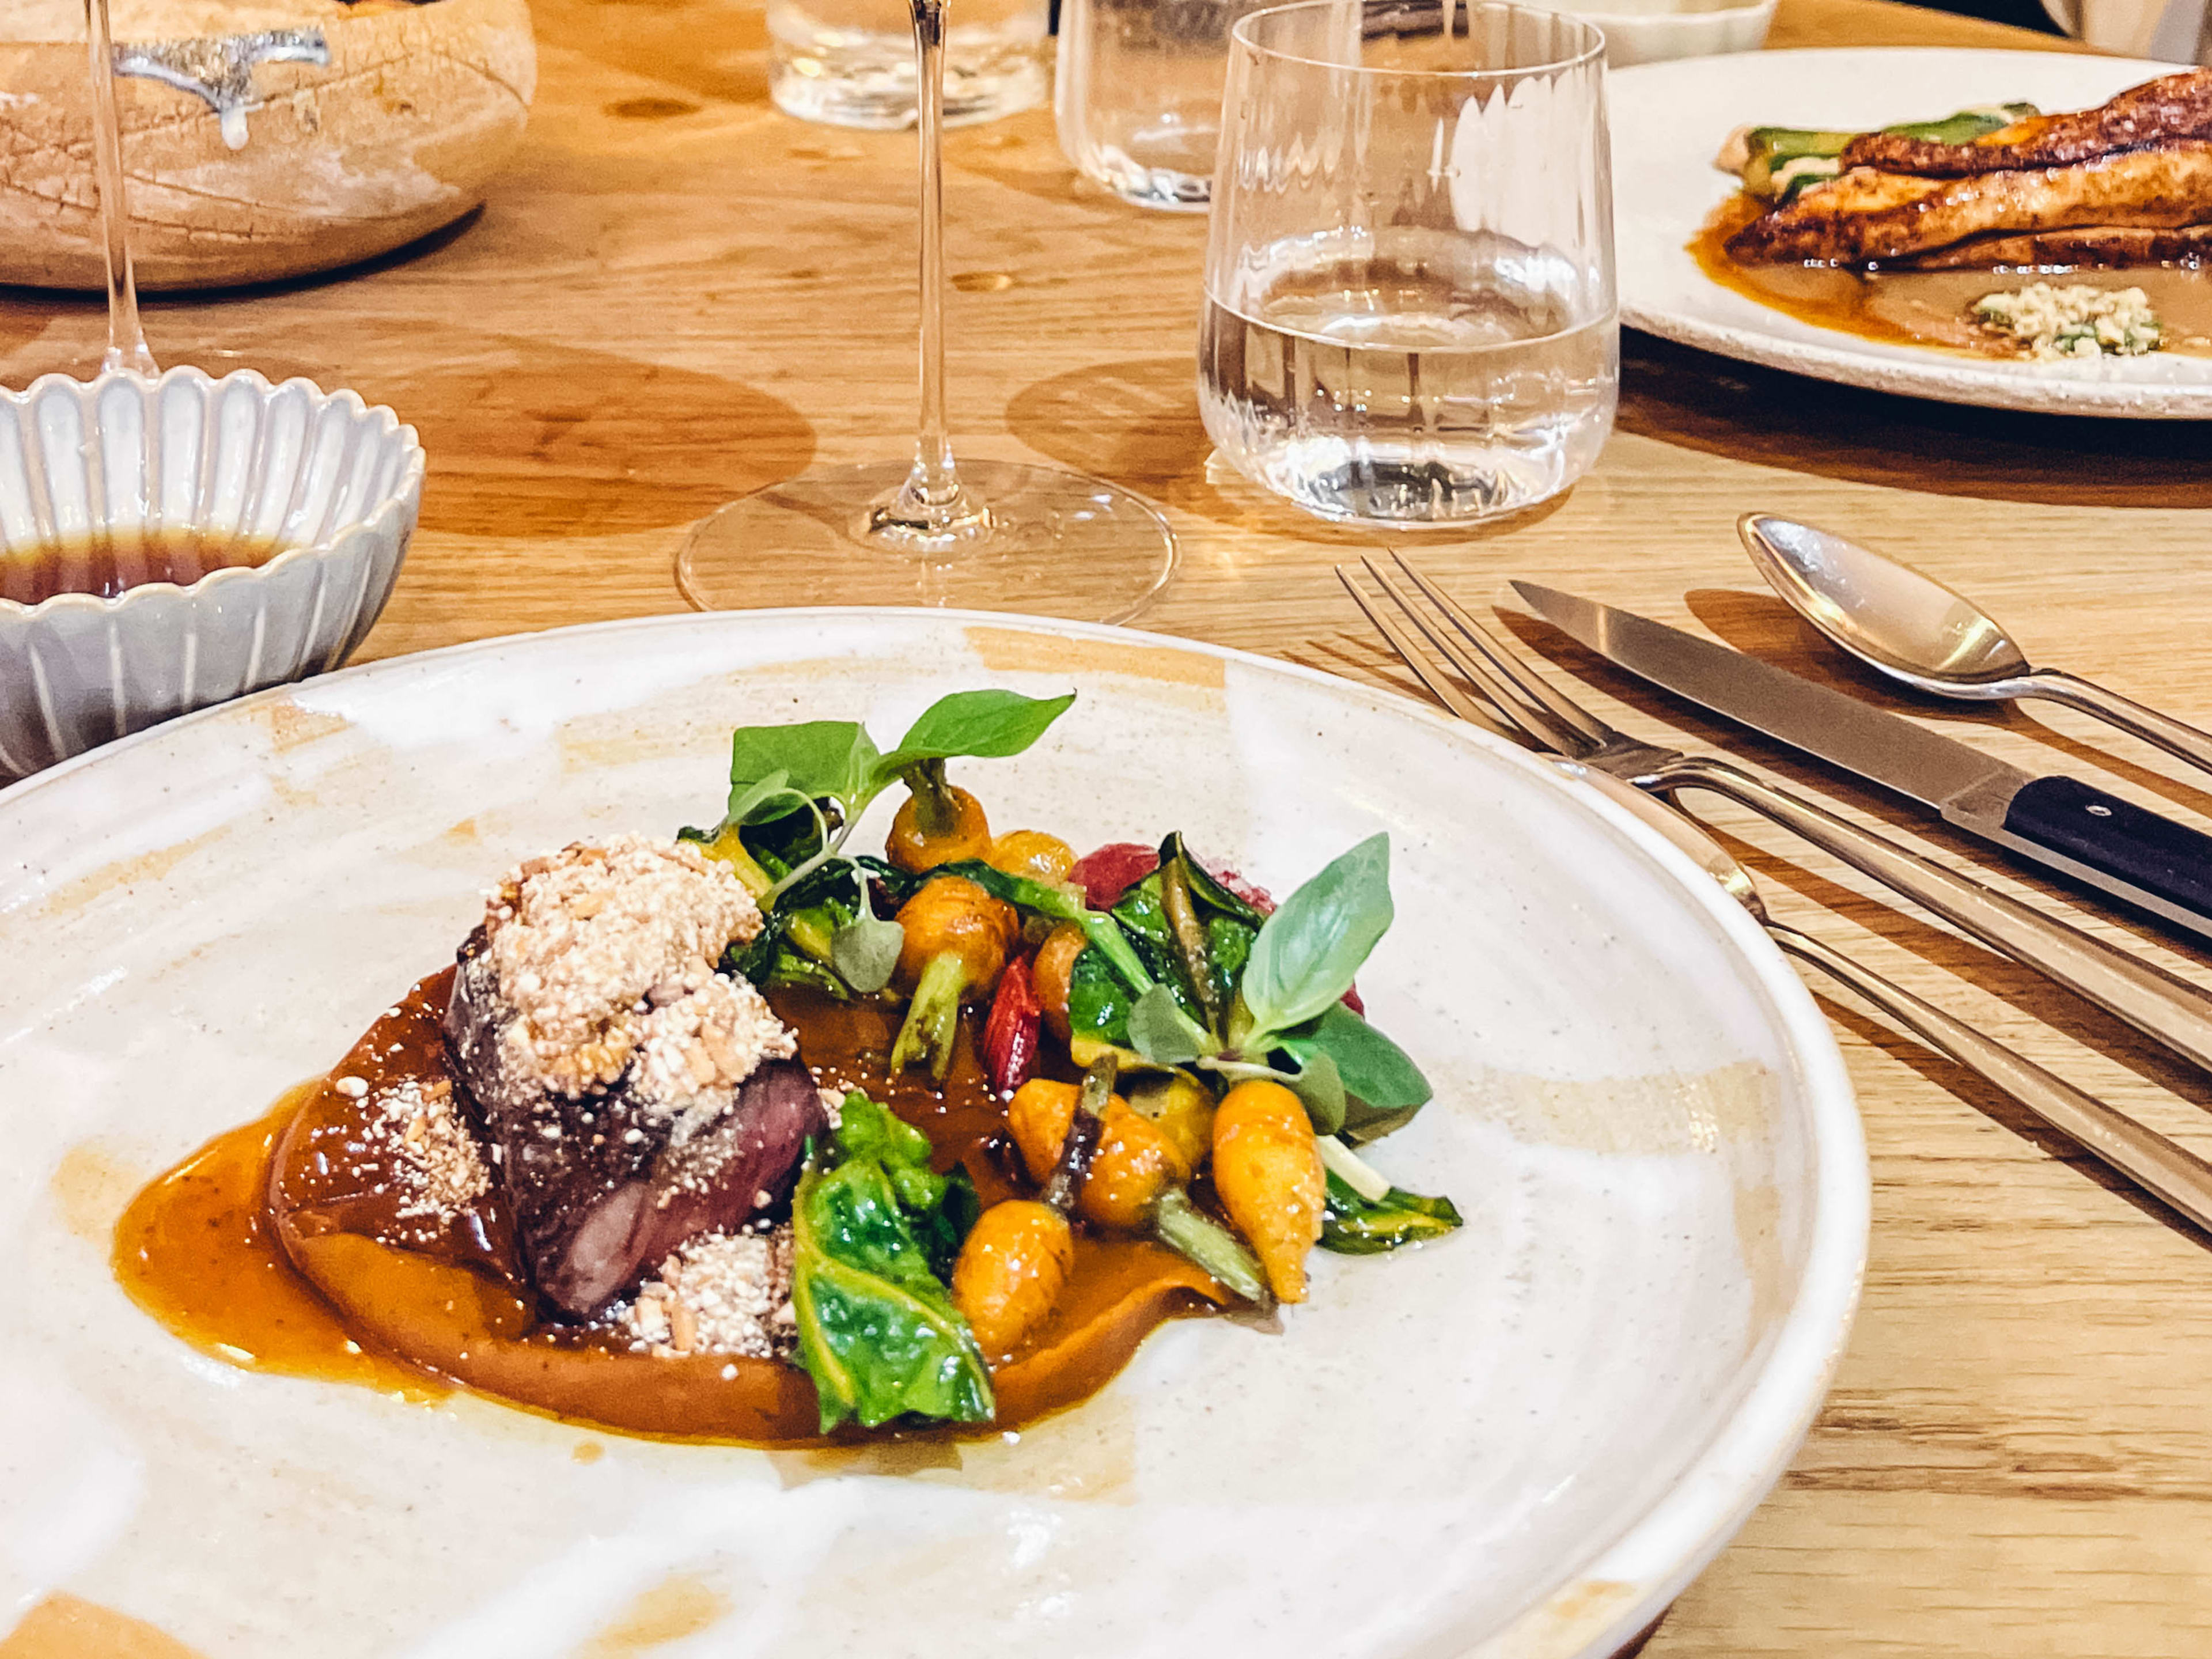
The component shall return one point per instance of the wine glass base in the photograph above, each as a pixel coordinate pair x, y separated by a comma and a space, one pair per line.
1047, 543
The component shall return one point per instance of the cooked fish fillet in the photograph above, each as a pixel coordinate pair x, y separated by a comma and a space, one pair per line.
2172, 109
2092, 247
1867, 216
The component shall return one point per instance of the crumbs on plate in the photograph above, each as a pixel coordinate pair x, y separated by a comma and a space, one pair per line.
2052, 321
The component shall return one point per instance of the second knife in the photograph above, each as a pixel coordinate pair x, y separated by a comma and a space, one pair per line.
2151, 861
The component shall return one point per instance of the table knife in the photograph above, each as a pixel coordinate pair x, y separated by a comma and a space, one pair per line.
2113, 845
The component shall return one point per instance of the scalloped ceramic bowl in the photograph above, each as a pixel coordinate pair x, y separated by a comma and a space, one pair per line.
337, 481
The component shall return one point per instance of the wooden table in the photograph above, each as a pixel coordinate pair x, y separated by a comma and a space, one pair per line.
678, 295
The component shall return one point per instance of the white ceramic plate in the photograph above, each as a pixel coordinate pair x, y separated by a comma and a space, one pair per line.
1670, 120
1524, 1441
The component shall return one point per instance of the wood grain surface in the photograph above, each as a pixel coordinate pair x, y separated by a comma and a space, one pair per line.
678, 293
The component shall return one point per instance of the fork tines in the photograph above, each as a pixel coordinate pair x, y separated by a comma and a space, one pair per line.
1530, 708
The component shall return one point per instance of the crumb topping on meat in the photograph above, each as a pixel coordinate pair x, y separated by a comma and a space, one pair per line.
606, 953
439, 1164
726, 1293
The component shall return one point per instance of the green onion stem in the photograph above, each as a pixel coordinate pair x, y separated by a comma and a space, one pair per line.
934, 1015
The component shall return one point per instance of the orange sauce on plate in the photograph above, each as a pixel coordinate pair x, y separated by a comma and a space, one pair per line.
273, 1247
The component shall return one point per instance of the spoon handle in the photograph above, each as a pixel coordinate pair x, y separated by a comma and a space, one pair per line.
2156, 1165
2152, 727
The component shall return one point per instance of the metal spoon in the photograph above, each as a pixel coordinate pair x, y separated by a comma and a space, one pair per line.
1915, 630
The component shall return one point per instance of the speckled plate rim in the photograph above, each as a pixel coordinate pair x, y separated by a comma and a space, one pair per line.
1657, 1553
1663, 293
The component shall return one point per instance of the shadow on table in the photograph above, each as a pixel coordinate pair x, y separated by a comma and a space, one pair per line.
1721, 407
1136, 423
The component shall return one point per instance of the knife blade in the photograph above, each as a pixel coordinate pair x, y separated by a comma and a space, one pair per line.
2113, 845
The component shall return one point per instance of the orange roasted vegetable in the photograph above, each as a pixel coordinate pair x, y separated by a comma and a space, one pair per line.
944, 824
1010, 1271
1268, 1173
1183, 1109
1031, 852
1052, 973
957, 940
950, 916
1134, 1163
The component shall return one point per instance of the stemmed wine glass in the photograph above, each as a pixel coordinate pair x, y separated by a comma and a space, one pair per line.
985, 535
126, 339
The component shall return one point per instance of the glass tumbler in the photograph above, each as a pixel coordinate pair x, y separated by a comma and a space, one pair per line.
1137, 94
1410, 316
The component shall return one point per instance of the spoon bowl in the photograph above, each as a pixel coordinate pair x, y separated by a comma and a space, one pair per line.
1915, 630
1888, 615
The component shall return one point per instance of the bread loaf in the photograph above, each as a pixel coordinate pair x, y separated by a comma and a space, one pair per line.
247, 159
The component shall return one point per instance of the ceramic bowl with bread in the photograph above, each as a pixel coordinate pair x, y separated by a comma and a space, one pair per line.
263, 138
326, 485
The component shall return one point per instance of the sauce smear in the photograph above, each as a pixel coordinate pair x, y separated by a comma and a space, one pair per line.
279, 1247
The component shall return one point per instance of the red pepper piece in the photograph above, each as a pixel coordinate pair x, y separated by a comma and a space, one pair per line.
1112, 870
1010, 1035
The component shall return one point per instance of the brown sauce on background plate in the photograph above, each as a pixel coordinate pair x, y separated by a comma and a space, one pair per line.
1930, 307
271, 1248
107, 563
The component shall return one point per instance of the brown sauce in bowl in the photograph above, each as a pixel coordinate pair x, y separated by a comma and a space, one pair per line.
125, 556
1931, 308
277, 1247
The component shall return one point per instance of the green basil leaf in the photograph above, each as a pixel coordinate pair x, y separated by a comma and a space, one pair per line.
877, 1330
1308, 952
1351, 1225
1364, 1124
942, 1228
1161, 1032
837, 758
1321, 1091
1373, 1068
1098, 1000
1143, 915
790, 968
866, 951
765, 801
1205, 890
982, 725
867, 1130
1060, 905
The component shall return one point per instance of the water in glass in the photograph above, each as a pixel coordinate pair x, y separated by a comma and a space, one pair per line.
1409, 315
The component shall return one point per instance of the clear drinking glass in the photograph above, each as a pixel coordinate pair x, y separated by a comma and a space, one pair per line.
986, 535
1137, 99
850, 62
1410, 316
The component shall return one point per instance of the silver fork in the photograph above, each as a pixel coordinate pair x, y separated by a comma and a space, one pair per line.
1552, 721
2156, 1003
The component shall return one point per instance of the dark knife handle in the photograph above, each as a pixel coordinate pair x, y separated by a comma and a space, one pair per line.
2168, 861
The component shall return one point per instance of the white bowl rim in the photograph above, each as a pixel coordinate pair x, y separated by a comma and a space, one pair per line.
1689, 1523
409, 488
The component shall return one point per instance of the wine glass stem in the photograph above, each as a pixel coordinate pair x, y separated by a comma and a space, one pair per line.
126, 339
932, 494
